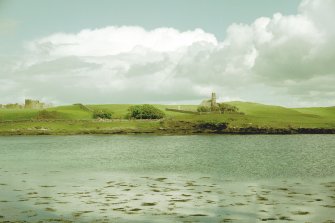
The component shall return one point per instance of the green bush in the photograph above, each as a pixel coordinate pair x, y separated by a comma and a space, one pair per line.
226, 108
145, 112
203, 109
102, 115
44, 114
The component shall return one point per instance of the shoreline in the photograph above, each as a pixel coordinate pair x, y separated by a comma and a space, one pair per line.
176, 132
149, 127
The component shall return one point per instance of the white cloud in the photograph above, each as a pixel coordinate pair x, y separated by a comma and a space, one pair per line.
116, 40
287, 60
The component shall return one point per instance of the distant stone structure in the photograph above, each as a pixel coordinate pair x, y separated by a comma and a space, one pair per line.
13, 106
213, 100
210, 102
28, 104
207, 106
33, 104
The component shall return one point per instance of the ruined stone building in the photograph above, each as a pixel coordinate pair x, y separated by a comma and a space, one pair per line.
210, 102
33, 104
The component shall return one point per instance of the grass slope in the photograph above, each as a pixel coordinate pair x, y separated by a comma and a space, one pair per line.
277, 116
17, 114
119, 111
325, 112
71, 112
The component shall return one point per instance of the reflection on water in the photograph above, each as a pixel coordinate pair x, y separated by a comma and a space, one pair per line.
167, 179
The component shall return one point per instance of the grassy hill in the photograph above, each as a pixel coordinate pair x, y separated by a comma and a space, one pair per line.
72, 112
76, 119
120, 110
326, 112
268, 115
17, 114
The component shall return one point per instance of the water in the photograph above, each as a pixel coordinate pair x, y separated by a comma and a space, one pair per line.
145, 178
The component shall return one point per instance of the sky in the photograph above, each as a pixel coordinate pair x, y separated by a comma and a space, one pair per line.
277, 52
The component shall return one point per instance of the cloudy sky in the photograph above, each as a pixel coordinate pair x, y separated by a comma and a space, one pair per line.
157, 51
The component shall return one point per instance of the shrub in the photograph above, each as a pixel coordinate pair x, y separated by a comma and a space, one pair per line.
44, 114
212, 125
226, 108
145, 112
203, 109
102, 115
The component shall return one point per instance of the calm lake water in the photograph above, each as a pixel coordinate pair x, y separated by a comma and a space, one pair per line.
141, 178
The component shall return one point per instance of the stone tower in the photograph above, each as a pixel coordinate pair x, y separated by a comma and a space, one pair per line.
213, 100
33, 104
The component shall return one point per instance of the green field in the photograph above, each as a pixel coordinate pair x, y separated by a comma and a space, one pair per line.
74, 119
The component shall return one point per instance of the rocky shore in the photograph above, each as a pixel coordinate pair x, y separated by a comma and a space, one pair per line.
162, 127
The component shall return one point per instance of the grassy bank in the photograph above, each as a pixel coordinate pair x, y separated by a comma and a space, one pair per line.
257, 118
